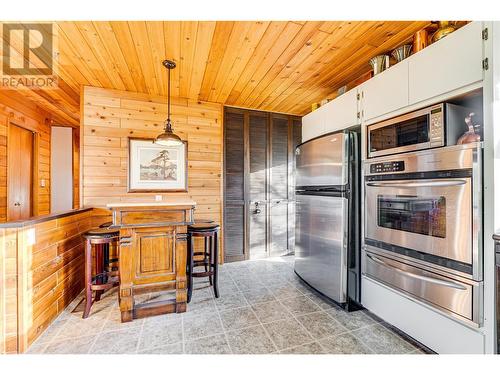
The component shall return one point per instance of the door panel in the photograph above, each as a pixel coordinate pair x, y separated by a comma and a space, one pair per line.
155, 262
20, 173
234, 232
279, 186
258, 184
234, 187
431, 216
459, 58
320, 247
386, 92
322, 162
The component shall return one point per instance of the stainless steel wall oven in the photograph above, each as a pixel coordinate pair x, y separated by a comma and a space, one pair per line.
423, 220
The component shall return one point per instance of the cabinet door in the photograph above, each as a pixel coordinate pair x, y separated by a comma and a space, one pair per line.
453, 62
342, 112
154, 258
313, 124
386, 92
234, 186
257, 184
278, 188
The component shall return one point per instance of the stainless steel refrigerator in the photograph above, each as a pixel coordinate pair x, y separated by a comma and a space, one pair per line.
327, 237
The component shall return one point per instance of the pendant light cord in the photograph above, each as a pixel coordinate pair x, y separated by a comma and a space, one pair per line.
168, 103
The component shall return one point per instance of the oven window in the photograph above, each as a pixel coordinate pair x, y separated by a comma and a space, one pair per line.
409, 132
422, 215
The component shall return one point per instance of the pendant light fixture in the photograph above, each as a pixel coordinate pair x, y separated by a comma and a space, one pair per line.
168, 138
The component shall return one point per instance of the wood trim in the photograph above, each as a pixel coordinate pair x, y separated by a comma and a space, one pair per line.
35, 175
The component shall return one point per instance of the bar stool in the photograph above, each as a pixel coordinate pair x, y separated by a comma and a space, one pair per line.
105, 276
209, 232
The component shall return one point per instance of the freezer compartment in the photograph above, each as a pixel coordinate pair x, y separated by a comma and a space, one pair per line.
454, 296
321, 243
322, 162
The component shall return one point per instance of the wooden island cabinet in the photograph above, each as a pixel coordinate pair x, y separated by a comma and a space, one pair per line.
153, 252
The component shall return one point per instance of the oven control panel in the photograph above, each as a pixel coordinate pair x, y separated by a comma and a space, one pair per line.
388, 166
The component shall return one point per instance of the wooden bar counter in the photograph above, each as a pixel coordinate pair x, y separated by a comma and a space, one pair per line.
153, 251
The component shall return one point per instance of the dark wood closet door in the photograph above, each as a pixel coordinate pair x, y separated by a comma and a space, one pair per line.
279, 185
257, 184
259, 204
234, 187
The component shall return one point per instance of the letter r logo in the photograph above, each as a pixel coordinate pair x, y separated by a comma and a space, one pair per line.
27, 49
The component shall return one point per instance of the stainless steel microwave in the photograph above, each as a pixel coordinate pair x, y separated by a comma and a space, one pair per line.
435, 126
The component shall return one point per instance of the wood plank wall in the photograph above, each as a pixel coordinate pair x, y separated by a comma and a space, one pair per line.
111, 116
43, 271
15, 109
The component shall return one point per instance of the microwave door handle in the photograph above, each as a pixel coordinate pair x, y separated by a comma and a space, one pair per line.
415, 276
418, 184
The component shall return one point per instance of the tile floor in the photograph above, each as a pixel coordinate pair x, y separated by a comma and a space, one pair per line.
263, 308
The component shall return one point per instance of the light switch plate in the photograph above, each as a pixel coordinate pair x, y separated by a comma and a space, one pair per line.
42, 183
158, 198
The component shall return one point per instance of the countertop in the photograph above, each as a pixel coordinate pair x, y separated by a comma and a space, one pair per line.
167, 203
40, 219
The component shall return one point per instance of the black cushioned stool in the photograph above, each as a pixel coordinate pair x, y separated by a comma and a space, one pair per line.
209, 232
105, 276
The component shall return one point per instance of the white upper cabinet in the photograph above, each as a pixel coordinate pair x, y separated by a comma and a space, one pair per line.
342, 112
386, 92
451, 63
313, 124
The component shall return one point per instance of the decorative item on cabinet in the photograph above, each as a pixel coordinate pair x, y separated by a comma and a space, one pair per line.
324, 101
314, 106
444, 28
342, 90
420, 40
402, 52
379, 63
470, 136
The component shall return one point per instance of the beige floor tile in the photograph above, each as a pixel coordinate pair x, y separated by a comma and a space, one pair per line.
167, 349
117, 342
321, 325
351, 320
271, 311
201, 326
311, 348
238, 318
381, 341
77, 345
287, 333
300, 305
252, 340
216, 344
344, 344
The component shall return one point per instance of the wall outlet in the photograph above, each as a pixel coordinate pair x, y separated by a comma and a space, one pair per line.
158, 198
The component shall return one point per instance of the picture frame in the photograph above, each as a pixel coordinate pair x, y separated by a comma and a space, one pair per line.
156, 168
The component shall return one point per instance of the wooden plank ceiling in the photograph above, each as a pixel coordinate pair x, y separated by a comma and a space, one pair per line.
274, 66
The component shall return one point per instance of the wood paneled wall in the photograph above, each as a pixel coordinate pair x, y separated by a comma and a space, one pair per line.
111, 116
42, 272
15, 109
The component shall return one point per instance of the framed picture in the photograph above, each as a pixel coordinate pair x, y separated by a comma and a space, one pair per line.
156, 168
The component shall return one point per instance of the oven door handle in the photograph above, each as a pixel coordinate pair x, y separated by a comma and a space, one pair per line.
418, 184
415, 276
